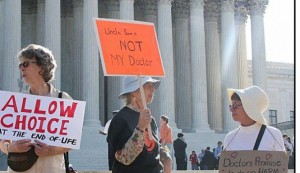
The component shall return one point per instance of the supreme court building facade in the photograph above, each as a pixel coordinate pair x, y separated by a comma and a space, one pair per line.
203, 49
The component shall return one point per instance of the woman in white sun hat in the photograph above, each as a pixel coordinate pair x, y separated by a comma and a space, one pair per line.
247, 107
128, 135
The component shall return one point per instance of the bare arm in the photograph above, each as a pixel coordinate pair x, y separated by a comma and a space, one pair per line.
19, 146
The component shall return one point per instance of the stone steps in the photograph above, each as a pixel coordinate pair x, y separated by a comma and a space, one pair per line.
93, 149
92, 154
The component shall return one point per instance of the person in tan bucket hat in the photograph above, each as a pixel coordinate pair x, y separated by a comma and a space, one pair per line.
247, 107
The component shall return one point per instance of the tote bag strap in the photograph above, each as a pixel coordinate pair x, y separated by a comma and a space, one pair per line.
66, 154
260, 134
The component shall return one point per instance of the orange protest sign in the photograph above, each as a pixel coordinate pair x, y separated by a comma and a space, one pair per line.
128, 48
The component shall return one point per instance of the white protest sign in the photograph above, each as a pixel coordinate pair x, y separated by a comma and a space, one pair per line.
253, 162
51, 120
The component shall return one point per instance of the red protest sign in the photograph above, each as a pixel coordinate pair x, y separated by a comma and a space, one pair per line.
128, 48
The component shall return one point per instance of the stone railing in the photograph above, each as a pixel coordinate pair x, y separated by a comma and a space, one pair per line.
284, 125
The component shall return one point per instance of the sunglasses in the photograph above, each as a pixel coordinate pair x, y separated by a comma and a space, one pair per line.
234, 106
25, 64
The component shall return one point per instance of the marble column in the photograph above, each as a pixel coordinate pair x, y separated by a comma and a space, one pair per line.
90, 84
127, 9
90, 65
28, 29
257, 9
113, 7
11, 45
183, 66
150, 11
53, 35
138, 10
213, 66
165, 39
113, 83
77, 47
40, 26
66, 47
102, 8
198, 66
241, 13
228, 58
1, 41
3, 156
126, 12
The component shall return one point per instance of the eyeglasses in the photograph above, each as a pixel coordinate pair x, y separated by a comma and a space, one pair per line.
25, 64
234, 106
149, 85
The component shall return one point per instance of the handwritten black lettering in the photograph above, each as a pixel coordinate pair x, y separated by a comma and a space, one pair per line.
38, 136
268, 170
228, 163
3, 131
114, 31
53, 138
19, 134
117, 59
260, 162
68, 140
131, 45
139, 61
128, 33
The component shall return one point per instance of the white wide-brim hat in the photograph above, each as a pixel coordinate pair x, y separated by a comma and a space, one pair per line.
131, 84
255, 102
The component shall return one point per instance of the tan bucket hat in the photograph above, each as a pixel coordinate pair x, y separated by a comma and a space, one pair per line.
255, 102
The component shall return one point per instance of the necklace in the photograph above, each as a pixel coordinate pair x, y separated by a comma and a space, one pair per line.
232, 138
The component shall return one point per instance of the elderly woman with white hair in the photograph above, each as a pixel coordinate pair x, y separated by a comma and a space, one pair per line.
129, 138
247, 107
